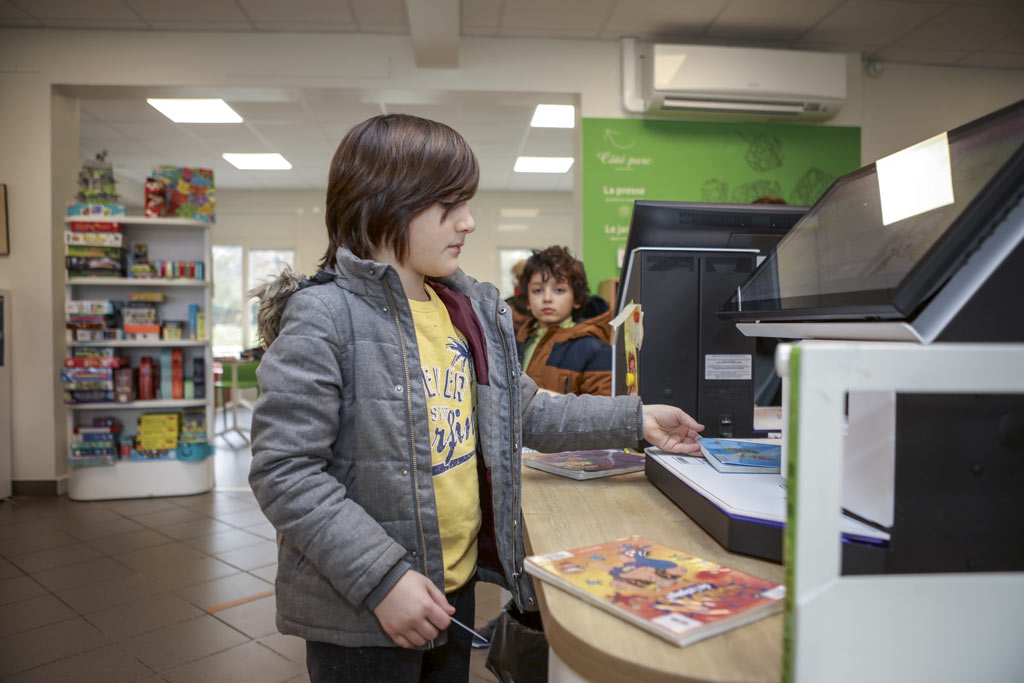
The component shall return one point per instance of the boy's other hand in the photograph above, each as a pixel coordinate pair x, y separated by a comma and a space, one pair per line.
670, 429
414, 611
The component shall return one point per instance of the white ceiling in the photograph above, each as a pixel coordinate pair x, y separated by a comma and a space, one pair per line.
305, 124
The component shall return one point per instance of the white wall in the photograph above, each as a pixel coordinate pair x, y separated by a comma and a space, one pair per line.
900, 107
295, 220
908, 103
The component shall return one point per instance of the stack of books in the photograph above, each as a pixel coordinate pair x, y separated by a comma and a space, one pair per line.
738, 455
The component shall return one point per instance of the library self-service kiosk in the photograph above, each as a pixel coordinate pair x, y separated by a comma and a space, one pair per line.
682, 260
903, 411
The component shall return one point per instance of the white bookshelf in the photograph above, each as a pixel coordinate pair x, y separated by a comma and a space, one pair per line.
171, 239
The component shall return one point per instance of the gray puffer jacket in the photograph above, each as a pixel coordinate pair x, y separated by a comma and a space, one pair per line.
341, 449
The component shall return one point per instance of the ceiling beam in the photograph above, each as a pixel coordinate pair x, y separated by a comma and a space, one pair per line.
434, 29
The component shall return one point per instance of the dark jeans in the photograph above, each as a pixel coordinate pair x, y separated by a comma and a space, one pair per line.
448, 663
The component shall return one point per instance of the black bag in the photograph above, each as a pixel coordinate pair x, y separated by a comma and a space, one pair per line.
519, 648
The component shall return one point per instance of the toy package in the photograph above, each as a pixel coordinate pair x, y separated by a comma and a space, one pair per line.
156, 197
189, 192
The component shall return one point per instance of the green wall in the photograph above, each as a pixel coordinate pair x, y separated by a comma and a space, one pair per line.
629, 159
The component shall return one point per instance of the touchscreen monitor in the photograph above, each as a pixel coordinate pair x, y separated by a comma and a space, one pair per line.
884, 238
705, 225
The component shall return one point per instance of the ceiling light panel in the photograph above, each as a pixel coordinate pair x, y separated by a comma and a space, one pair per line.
554, 116
543, 164
196, 111
257, 162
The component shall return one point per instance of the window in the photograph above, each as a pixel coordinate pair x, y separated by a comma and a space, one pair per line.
506, 259
264, 265
236, 270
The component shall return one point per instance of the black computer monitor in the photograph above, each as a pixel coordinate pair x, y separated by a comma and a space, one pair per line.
883, 242
682, 261
706, 225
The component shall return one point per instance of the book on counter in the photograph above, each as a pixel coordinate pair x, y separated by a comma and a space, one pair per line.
668, 592
738, 455
586, 464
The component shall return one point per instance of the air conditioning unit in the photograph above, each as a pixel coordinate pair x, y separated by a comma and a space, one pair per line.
743, 82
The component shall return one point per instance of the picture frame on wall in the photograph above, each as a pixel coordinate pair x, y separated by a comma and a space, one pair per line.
5, 242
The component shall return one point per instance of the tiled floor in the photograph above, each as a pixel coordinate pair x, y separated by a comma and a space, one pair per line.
178, 590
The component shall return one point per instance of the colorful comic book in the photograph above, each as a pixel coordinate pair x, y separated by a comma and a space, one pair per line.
672, 594
586, 464
737, 455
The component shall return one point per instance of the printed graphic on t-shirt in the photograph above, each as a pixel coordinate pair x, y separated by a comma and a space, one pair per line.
452, 422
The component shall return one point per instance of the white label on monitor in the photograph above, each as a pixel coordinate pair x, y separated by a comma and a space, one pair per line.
728, 366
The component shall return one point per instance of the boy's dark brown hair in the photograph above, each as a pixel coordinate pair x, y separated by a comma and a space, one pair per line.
555, 262
387, 170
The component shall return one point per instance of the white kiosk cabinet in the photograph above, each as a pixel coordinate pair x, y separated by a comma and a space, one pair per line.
935, 626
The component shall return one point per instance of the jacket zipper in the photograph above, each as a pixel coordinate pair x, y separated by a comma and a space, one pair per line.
412, 432
512, 442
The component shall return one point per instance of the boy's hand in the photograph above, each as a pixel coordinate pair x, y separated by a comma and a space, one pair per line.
670, 429
414, 611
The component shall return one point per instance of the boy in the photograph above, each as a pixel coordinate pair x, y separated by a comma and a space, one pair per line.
565, 348
387, 437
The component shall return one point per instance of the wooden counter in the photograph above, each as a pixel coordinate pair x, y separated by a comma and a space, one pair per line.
560, 513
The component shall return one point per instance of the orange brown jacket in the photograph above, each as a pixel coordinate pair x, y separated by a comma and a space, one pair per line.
571, 360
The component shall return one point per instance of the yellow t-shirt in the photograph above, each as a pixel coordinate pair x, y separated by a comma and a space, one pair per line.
447, 373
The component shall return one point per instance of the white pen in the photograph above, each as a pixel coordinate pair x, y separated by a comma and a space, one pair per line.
459, 623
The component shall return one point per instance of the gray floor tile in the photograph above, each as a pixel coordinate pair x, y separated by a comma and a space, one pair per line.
250, 557
14, 517
249, 663
130, 541
162, 518
184, 574
221, 593
42, 540
74, 553
268, 573
194, 528
224, 542
19, 588
247, 518
264, 529
218, 503
287, 646
81, 574
70, 514
142, 616
26, 615
246, 495
103, 594
113, 527
173, 552
135, 506
179, 644
110, 664
29, 649
9, 571
255, 618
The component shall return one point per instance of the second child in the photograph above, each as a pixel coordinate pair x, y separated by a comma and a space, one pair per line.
566, 347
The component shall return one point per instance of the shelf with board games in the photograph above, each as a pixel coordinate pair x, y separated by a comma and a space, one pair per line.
138, 372
132, 343
157, 404
135, 282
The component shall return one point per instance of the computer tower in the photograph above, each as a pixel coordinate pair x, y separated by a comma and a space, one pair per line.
690, 357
